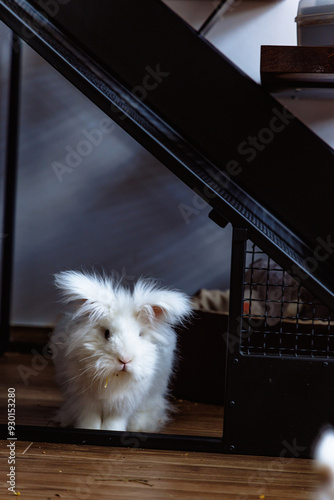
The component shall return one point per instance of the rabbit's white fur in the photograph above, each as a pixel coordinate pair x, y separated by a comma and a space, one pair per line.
324, 456
121, 382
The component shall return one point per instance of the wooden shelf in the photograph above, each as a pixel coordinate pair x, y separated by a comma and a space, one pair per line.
297, 67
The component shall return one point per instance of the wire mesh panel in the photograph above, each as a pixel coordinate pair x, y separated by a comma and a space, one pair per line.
281, 317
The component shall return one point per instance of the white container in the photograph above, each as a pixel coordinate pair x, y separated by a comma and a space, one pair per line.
315, 22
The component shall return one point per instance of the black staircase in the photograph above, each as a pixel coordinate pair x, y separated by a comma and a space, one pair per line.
223, 135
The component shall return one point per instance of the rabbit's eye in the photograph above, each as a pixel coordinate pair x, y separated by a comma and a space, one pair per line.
141, 333
107, 334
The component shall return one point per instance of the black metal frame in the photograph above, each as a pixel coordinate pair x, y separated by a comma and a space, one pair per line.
230, 202
116, 439
272, 403
10, 189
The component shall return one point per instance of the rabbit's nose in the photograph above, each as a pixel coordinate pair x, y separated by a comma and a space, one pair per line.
124, 361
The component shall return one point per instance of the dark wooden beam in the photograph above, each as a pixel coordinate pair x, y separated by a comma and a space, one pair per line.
290, 66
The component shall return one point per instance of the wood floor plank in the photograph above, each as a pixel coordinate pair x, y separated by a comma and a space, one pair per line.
70, 471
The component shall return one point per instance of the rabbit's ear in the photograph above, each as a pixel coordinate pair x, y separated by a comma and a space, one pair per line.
150, 314
172, 307
91, 294
77, 286
160, 305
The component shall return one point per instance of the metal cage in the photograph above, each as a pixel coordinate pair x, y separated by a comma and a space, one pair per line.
280, 317
279, 352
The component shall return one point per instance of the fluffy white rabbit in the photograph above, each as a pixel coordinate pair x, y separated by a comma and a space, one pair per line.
114, 352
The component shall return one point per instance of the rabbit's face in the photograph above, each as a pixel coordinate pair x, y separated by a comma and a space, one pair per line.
114, 333
121, 346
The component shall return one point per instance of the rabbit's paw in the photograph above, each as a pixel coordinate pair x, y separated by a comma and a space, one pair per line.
150, 419
89, 421
114, 424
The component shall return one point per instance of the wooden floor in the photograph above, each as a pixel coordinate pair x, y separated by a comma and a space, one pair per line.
50, 471
37, 399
